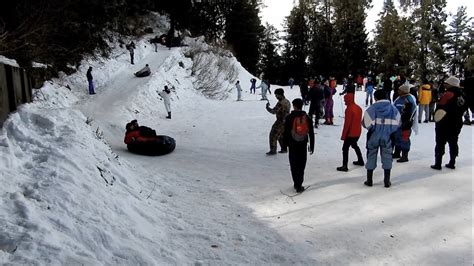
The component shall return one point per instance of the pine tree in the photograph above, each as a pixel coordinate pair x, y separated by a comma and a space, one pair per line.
242, 32
322, 48
394, 42
270, 60
458, 42
350, 31
297, 38
430, 32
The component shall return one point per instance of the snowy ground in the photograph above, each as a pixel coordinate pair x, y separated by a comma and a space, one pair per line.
72, 194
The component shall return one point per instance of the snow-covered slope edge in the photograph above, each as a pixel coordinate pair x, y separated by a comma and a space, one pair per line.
67, 198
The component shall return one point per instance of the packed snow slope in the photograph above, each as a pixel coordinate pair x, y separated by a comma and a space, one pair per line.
72, 194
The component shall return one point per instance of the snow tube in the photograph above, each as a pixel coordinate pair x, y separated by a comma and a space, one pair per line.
160, 146
141, 74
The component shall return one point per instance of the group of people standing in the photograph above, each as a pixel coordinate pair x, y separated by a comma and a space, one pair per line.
389, 125
319, 93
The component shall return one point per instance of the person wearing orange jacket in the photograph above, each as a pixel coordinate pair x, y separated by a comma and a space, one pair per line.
351, 132
424, 99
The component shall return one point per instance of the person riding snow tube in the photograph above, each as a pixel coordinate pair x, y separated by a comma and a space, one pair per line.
143, 140
143, 72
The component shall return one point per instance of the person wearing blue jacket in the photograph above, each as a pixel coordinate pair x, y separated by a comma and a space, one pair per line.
406, 106
381, 120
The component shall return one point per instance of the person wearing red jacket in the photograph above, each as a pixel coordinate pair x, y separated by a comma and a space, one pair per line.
136, 133
351, 132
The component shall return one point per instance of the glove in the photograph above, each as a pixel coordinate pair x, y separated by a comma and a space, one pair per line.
341, 94
311, 151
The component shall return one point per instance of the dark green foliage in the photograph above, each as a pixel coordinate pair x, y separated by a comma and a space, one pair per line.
242, 32
208, 19
322, 48
297, 40
270, 60
394, 45
350, 31
459, 42
60, 33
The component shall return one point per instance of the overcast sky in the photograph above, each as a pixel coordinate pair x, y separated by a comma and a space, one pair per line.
276, 11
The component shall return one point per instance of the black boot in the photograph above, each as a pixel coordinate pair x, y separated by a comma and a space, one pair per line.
370, 173
451, 164
437, 165
169, 115
386, 178
404, 157
396, 153
342, 168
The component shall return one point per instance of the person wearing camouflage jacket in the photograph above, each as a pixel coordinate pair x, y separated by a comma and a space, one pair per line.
281, 110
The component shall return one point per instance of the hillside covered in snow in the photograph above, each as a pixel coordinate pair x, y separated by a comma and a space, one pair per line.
72, 194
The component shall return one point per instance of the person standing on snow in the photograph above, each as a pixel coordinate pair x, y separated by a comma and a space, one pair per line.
264, 86
252, 85
239, 90
90, 80
349, 87
328, 103
130, 47
316, 96
406, 106
369, 92
351, 132
297, 131
424, 98
281, 110
448, 118
381, 120
291, 82
166, 96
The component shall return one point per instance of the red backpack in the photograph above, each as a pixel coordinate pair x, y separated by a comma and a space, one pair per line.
300, 129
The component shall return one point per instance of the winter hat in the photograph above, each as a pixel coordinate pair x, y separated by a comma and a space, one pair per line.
405, 88
452, 81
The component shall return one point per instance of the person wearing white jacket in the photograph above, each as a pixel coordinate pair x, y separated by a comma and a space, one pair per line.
264, 86
239, 91
166, 96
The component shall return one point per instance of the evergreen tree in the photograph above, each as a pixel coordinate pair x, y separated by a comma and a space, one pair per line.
270, 61
297, 38
394, 43
469, 65
430, 32
208, 19
323, 49
242, 32
458, 42
351, 35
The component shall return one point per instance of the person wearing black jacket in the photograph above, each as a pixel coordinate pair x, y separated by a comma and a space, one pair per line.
349, 87
448, 118
316, 96
90, 80
297, 144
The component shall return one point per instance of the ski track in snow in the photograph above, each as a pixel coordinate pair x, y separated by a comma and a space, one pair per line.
216, 199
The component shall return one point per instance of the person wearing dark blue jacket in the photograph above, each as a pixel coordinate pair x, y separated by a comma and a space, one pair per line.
381, 120
406, 106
